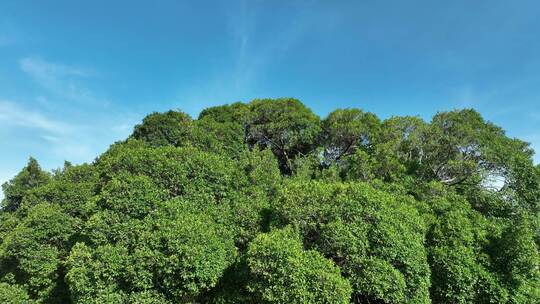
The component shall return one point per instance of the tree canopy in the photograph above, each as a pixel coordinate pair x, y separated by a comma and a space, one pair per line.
266, 202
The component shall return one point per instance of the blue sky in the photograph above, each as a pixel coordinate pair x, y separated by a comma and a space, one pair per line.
76, 76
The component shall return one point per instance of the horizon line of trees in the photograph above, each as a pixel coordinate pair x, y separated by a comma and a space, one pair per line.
266, 202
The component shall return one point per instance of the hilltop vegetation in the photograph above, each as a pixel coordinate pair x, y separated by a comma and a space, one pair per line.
265, 202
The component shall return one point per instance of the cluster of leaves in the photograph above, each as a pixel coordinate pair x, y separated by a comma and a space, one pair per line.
265, 202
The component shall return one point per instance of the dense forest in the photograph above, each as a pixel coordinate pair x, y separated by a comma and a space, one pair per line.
265, 202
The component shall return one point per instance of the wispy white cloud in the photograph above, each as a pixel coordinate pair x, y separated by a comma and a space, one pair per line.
59, 123
50, 138
12, 114
55, 140
252, 56
45, 70
61, 80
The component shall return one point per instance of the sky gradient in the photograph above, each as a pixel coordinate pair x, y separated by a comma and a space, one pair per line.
76, 76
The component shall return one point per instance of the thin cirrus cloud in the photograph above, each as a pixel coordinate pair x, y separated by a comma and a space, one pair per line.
53, 140
53, 132
62, 81
44, 70
252, 55
15, 117
12, 114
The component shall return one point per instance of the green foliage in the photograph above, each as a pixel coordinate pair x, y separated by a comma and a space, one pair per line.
180, 171
170, 128
29, 178
93, 275
238, 113
523, 185
12, 294
178, 129
398, 147
190, 251
72, 189
358, 227
461, 147
518, 258
133, 196
31, 254
263, 202
285, 126
347, 130
282, 272
225, 138
178, 252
